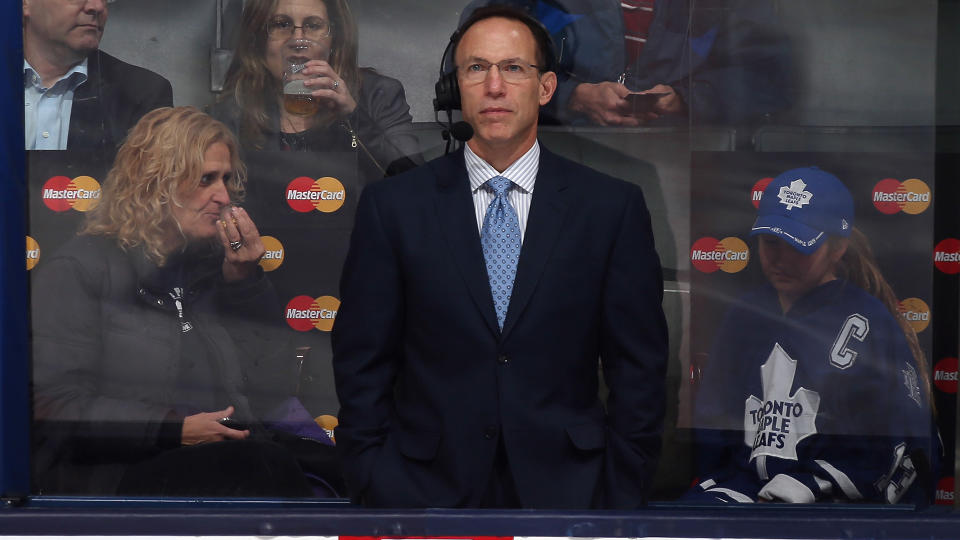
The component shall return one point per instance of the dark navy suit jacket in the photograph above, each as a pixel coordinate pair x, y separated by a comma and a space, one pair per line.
428, 384
112, 100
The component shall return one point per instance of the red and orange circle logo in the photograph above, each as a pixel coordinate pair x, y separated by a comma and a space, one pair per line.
757, 192
945, 375
916, 312
305, 313
33, 253
304, 194
946, 256
910, 196
61, 193
709, 255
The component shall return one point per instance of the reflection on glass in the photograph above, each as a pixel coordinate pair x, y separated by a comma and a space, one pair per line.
295, 85
816, 388
665, 62
76, 96
158, 367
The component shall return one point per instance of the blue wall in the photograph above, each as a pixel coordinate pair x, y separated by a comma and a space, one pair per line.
14, 366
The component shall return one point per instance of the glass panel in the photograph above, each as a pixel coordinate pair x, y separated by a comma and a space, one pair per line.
147, 325
806, 388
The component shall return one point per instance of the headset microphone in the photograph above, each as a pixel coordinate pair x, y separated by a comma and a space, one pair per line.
461, 131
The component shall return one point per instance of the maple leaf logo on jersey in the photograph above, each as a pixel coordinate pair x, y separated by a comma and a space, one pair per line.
774, 426
795, 195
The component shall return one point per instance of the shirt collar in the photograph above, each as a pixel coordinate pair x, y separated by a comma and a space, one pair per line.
75, 77
522, 172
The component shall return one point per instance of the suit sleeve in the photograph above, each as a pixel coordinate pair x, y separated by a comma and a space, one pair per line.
385, 127
634, 356
161, 95
366, 343
126, 100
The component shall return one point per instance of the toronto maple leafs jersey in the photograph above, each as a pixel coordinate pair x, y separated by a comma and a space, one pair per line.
821, 403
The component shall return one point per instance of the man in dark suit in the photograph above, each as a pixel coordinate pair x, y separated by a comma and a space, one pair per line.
475, 311
77, 97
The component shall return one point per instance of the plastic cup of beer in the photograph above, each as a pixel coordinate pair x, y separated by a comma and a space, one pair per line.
296, 97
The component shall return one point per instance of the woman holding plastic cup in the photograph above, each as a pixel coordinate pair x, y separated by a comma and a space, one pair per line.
295, 85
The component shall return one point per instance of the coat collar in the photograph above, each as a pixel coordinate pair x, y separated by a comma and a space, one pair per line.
89, 123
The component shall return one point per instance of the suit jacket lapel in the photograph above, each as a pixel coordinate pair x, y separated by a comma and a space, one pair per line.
86, 116
459, 226
547, 210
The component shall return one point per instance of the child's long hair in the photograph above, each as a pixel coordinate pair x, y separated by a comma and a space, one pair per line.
859, 267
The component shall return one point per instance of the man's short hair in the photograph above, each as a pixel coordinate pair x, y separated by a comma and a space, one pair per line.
546, 58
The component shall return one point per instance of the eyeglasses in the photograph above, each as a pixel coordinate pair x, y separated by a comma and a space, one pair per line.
313, 28
510, 70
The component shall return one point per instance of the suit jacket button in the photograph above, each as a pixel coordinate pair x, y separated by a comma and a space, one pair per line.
503, 359
489, 432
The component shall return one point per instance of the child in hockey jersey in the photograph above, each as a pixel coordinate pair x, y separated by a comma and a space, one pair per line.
818, 390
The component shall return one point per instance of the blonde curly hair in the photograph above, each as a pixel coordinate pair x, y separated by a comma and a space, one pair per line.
161, 157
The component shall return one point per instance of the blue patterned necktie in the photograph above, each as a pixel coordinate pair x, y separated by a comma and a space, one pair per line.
500, 239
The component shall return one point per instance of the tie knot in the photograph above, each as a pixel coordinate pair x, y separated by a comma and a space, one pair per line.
499, 185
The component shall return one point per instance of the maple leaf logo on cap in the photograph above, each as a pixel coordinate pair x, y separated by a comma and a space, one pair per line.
795, 195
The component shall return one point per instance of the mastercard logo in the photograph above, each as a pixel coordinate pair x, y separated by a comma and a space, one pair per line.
946, 256
61, 193
305, 313
945, 491
273, 256
910, 196
757, 192
916, 312
325, 194
33, 253
945, 375
709, 255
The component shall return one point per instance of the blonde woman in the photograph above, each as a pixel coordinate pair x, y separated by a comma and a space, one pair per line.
153, 326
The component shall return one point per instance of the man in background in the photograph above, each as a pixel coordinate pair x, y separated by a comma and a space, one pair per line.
77, 97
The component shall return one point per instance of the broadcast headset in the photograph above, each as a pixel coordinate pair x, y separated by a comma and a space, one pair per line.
448, 90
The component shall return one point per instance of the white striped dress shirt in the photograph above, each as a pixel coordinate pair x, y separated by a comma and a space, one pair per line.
523, 174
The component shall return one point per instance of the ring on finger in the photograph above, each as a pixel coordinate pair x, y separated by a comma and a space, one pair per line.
236, 245
336, 84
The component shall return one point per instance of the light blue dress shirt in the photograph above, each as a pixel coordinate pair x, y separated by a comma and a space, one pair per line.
46, 111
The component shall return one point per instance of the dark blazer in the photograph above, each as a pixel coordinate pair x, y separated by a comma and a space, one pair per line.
114, 97
428, 383
107, 353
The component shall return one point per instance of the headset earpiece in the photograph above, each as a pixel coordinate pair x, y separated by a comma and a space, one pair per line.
447, 89
448, 92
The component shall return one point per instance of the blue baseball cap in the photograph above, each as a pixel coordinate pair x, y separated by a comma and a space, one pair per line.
804, 207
